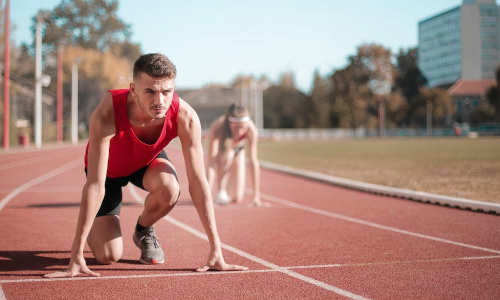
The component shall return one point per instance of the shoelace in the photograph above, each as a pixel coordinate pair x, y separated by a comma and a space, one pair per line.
148, 239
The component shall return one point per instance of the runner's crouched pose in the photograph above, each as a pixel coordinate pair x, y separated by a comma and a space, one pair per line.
128, 131
226, 156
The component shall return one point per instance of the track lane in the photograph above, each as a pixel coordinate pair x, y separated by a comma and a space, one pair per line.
374, 262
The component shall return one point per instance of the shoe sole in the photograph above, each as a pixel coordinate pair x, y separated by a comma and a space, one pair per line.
152, 262
142, 261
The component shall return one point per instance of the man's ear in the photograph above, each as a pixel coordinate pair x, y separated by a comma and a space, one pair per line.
132, 89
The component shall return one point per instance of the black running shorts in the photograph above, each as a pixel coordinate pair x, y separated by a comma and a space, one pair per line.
112, 202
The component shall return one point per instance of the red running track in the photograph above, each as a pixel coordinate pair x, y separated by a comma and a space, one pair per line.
315, 241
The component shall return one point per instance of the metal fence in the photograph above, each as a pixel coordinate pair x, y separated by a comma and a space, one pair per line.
489, 129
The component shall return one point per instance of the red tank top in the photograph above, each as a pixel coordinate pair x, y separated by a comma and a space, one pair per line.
127, 153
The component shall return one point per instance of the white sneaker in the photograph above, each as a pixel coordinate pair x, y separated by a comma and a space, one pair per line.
222, 198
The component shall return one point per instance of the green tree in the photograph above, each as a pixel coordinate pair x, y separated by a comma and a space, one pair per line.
377, 61
97, 73
90, 32
396, 108
441, 103
493, 96
485, 112
369, 72
321, 108
349, 92
92, 24
243, 81
408, 82
285, 106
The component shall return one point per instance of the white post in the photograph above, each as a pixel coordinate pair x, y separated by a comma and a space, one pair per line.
38, 83
259, 109
244, 94
429, 118
253, 98
74, 103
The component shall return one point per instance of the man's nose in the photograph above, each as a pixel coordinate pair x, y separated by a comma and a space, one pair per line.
159, 99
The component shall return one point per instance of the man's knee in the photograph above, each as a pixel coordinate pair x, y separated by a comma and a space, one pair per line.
108, 257
105, 239
169, 194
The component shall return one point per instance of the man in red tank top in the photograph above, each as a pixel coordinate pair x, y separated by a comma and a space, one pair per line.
128, 131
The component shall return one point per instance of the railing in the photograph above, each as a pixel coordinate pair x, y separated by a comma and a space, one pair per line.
489, 129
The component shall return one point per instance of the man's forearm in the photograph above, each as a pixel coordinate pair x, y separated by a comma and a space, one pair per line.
204, 206
90, 203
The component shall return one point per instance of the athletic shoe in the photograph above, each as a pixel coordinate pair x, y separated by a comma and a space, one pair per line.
151, 252
222, 198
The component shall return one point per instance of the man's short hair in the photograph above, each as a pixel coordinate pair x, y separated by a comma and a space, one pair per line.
155, 65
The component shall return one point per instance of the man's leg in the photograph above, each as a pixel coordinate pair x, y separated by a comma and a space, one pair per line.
160, 180
105, 239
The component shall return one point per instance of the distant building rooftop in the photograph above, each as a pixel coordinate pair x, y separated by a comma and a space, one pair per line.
471, 87
210, 102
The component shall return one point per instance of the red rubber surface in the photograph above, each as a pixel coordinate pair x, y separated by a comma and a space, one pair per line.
315, 241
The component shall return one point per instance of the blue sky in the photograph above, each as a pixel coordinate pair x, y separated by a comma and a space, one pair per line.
214, 41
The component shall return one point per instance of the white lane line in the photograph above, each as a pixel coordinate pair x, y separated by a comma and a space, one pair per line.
38, 180
2, 295
367, 223
83, 277
30, 161
371, 224
399, 262
48, 190
29, 184
251, 257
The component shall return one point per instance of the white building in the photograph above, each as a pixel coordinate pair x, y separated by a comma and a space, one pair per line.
460, 43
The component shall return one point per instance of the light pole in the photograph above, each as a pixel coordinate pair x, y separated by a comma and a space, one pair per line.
252, 99
38, 82
429, 118
59, 93
6, 86
74, 102
259, 106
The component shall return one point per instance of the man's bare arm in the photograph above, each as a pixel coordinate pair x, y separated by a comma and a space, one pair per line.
189, 132
101, 132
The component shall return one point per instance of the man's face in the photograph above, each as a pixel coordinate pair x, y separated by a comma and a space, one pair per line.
154, 95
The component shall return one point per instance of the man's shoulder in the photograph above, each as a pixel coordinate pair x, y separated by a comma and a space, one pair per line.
104, 112
188, 119
106, 104
186, 111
